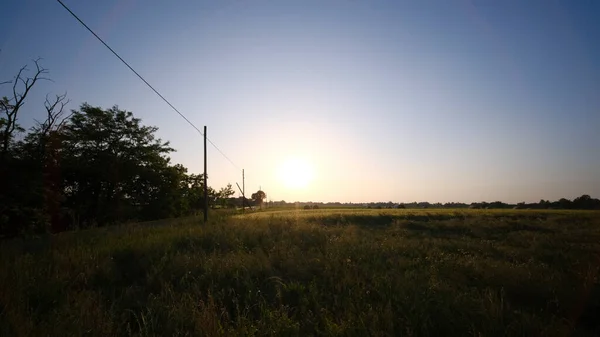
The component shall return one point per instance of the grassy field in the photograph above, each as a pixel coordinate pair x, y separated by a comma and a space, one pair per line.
312, 272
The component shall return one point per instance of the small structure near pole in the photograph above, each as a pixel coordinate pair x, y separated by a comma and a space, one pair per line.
243, 191
243, 197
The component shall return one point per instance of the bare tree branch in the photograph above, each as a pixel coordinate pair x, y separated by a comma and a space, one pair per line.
9, 107
54, 110
54, 120
62, 122
28, 83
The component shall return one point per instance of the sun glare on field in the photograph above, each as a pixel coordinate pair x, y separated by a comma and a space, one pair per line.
296, 173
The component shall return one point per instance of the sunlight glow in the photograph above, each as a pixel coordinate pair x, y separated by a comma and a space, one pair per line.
296, 173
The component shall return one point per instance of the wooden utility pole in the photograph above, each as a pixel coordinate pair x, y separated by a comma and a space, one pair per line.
205, 182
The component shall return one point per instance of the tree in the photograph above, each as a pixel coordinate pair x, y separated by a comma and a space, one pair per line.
28, 194
586, 202
10, 105
259, 197
565, 203
224, 194
42, 131
114, 166
42, 147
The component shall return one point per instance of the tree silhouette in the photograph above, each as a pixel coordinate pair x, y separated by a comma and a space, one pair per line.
224, 194
259, 197
10, 105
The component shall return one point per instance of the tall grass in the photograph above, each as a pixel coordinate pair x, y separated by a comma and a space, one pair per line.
346, 273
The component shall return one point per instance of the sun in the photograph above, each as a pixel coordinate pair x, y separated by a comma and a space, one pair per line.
296, 172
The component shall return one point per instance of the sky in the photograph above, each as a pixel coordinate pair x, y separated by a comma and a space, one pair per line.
397, 101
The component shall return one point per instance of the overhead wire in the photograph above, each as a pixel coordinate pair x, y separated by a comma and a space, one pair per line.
146, 82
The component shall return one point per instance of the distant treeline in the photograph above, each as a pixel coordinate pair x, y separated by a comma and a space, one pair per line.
584, 202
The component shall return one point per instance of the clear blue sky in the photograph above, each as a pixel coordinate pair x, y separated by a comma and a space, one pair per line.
385, 100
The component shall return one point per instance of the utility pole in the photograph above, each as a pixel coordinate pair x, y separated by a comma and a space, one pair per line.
205, 182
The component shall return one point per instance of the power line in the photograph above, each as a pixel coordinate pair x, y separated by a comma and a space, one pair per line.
223, 154
148, 84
